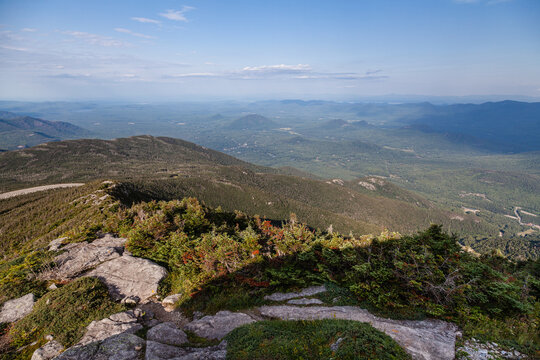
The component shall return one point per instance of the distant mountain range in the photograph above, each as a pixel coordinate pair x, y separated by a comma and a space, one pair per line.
18, 131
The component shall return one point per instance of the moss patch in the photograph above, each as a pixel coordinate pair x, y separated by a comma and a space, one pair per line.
280, 340
65, 313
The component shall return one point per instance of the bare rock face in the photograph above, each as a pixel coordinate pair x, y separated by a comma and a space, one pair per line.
167, 333
304, 301
81, 257
130, 276
310, 291
158, 351
218, 352
16, 309
424, 340
120, 323
219, 325
125, 276
48, 351
170, 301
118, 347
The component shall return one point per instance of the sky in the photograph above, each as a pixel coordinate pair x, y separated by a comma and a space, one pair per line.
215, 49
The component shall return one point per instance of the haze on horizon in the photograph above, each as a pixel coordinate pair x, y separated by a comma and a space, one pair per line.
210, 49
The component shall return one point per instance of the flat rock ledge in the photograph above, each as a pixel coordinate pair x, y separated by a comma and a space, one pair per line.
124, 322
424, 340
219, 325
310, 291
125, 275
16, 309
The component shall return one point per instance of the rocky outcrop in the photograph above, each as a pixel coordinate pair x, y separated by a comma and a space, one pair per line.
304, 301
167, 333
81, 257
48, 351
219, 325
118, 347
126, 276
475, 350
130, 276
16, 309
120, 323
424, 340
310, 291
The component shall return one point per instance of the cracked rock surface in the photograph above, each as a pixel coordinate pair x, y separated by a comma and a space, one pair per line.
124, 322
126, 276
219, 325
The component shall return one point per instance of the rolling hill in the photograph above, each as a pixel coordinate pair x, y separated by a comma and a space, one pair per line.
147, 168
23, 131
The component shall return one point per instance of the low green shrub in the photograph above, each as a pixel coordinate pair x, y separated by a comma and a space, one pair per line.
64, 313
281, 340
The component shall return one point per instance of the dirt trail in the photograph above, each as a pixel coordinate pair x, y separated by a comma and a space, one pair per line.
11, 194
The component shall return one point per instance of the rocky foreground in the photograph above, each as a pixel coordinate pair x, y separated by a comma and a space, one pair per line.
134, 281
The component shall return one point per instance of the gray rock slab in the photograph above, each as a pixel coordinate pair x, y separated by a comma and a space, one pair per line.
167, 333
130, 276
159, 351
48, 351
16, 309
124, 322
310, 291
119, 347
81, 257
424, 340
218, 352
219, 325
304, 301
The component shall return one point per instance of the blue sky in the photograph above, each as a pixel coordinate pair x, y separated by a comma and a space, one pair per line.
203, 49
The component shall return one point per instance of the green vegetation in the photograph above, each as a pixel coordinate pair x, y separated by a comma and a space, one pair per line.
282, 340
18, 276
63, 313
223, 260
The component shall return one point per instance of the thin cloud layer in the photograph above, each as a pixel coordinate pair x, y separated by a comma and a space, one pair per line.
146, 20
177, 15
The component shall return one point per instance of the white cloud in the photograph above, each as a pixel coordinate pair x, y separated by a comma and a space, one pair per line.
187, 75
177, 15
29, 30
95, 39
281, 68
146, 20
14, 48
127, 31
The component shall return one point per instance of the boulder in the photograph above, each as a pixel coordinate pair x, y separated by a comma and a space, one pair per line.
424, 340
170, 301
219, 325
16, 309
304, 301
56, 244
48, 351
130, 276
310, 291
159, 351
218, 352
124, 322
167, 333
118, 347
